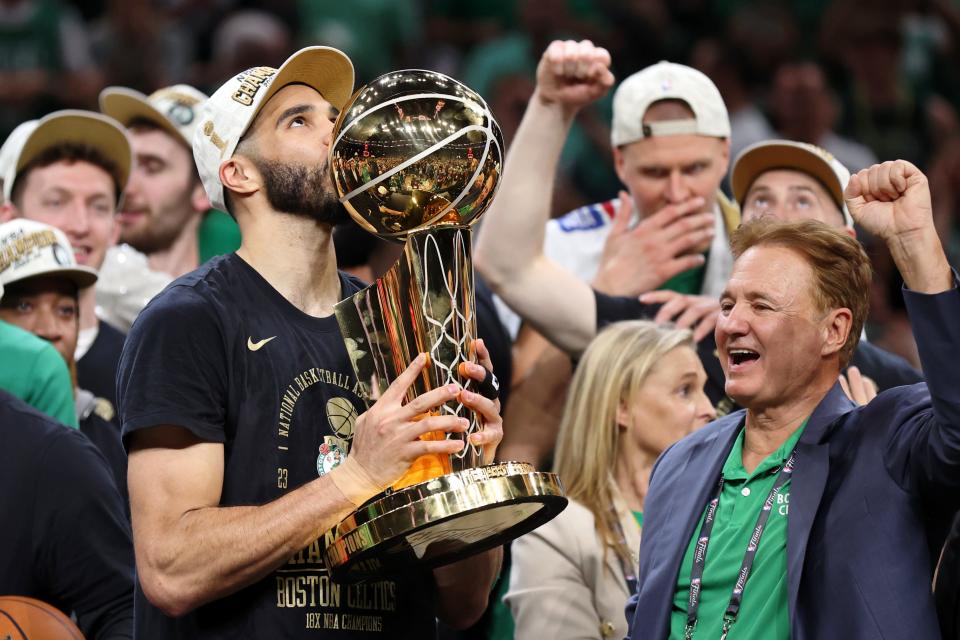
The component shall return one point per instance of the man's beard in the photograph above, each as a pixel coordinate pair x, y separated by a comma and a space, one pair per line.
301, 191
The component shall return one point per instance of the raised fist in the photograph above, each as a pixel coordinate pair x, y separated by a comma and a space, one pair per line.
890, 200
573, 74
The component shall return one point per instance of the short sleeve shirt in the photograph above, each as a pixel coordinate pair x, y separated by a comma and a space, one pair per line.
224, 355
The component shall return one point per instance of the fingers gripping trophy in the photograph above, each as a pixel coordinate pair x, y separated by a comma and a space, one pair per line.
416, 157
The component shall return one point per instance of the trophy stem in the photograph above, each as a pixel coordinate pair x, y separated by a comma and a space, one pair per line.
445, 507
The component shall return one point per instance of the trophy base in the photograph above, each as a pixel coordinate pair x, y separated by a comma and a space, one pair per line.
443, 520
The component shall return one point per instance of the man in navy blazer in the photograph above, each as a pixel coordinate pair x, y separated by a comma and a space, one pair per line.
805, 516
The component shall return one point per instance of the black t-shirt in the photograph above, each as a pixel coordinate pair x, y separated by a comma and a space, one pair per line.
105, 436
64, 536
97, 369
220, 352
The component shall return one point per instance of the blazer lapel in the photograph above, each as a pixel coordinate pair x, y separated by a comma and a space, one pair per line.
806, 485
693, 484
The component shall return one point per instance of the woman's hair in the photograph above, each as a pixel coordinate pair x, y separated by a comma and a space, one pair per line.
613, 368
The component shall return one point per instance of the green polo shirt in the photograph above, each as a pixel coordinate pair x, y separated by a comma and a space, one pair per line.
763, 611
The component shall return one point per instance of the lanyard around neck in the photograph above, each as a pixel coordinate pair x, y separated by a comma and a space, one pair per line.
629, 576
700, 553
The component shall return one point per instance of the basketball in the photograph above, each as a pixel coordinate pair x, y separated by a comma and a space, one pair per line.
341, 415
28, 619
415, 149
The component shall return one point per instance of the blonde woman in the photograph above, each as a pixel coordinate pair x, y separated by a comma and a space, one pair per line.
637, 389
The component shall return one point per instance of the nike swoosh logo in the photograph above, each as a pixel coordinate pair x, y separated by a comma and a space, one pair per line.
255, 346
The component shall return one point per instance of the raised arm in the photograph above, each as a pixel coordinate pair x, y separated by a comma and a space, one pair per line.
892, 201
509, 250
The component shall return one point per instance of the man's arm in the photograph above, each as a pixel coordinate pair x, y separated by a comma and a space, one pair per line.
532, 420
892, 201
509, 251
190, 550
463, 588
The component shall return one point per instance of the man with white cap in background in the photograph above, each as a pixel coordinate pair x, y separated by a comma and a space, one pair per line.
69, 169
671, 144
792, 181
784, 179
670, 137
167, 227
226, 378
42, 282
166, 213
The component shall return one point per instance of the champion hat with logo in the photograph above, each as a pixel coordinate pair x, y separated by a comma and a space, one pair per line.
33, 137
667, 81
797, 156
173, 109
29, 249
228, 113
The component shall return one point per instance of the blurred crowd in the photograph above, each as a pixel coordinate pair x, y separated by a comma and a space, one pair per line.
864, 80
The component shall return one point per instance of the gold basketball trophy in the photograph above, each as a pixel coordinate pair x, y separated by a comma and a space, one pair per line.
416, 157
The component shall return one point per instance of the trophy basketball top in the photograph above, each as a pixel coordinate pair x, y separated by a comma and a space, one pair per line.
413, 150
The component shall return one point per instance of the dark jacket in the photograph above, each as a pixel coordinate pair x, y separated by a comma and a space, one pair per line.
872, 497
64, 538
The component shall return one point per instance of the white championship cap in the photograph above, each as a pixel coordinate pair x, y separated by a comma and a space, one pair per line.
11, 147
29, 249
33, 137
225, 117
173, 109
797, 156
667, 81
